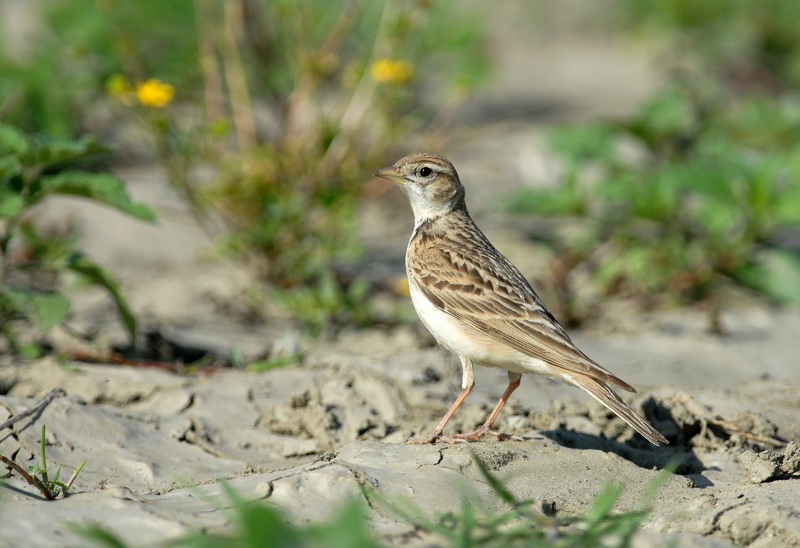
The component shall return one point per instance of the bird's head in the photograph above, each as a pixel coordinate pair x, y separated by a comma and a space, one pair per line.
430, 182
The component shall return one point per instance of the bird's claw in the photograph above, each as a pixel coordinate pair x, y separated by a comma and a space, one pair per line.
475, 435
433, 438
427, 440
478, 433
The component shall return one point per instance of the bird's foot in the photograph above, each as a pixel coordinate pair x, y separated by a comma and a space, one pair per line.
427, 440
433, 438
478, 433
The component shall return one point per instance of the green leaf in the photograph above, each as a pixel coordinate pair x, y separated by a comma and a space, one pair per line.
45, 310
12, 141
102, 277
775, 272
97, 535
665, 116
258, 523
53, 152
656, 197
719, 219
583, 143
11, 205
10, 166
787, 209
348, 528
557, 201
30, 351
101, 187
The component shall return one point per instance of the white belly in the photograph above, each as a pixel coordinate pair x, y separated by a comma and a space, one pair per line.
468, 342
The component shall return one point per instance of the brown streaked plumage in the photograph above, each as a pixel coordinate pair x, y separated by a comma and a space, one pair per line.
480, 306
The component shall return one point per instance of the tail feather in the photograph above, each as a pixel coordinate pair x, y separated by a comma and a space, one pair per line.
602, 393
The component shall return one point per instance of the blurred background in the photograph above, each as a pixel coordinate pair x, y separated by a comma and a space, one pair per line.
627, 155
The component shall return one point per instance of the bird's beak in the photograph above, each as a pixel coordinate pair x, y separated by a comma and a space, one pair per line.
390, 174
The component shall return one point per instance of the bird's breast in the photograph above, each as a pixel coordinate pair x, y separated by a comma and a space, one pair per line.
466, 341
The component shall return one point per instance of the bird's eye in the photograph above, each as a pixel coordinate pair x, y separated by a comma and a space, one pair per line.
425, 171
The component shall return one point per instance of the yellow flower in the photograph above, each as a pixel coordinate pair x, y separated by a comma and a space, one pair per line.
391, 71
400, 287
154, 93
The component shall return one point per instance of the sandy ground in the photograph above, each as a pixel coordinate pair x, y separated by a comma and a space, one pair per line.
309, 435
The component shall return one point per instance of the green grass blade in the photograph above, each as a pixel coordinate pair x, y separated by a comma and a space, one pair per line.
74, 477
496, 485
102, 277
97, 535
46, 481
604, 503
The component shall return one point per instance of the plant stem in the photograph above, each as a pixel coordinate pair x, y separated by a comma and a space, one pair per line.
357, 107
5, 242
27, 477
234, 73
38, 406
3, 253
209, 67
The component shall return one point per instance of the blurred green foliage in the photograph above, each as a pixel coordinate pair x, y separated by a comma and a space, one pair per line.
52, 83
33, 168
347, 81
692, 191
258, 524
701, 187
291, 104
520, 524
745, 43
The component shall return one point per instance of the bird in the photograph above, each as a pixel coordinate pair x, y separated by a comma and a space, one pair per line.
479, 306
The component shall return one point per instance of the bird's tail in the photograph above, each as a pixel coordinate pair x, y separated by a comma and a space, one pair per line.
602, 393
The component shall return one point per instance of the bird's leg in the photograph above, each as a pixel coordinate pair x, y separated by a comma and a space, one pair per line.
513, 383
467, 384
437, 432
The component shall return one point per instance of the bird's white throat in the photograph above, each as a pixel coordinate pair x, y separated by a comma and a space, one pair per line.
423, 206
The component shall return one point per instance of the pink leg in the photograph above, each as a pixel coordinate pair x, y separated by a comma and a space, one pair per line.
437, 432
475, 435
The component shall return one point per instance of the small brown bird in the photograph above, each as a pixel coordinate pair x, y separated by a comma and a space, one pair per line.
480, 307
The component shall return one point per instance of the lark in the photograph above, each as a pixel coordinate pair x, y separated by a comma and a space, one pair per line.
479, 306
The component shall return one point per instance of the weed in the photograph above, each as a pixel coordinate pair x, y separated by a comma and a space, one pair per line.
257, 524
56, 83
300, 102
259, 366
342, 91
746, 45
521, 525
38, 475
713, 186
31, 170
701, 187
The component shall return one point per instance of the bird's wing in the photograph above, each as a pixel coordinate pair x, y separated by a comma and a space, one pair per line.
484, 290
